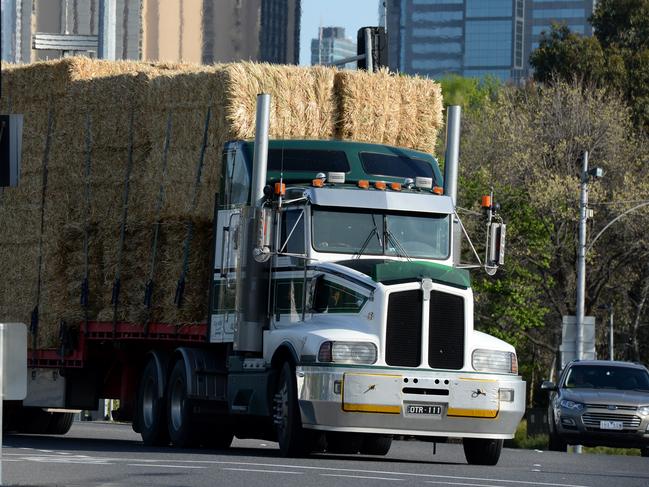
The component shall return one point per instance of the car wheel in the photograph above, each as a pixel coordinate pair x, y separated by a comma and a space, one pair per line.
555, 443
482, 451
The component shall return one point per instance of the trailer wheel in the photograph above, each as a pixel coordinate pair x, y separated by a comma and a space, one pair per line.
482, 451
291, 436
182, 432
376, 444
60, 423
151, 414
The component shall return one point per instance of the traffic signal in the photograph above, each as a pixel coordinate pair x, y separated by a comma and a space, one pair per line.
11, 132
379, 50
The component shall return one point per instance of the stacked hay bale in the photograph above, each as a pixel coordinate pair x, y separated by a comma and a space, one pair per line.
132, 163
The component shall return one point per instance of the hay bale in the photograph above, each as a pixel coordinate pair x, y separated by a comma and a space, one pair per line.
389, 109
84, 207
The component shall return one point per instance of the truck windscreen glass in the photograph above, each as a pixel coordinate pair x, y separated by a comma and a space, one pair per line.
374, 233
396, 165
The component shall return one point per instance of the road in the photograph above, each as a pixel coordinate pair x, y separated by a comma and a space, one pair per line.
103, 454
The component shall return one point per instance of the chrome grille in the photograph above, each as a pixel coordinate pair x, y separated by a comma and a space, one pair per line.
591, 419
616, 407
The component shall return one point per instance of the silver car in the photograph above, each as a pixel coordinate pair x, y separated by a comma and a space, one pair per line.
600, 403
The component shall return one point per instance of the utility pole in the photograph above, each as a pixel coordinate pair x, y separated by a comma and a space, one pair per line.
581, 256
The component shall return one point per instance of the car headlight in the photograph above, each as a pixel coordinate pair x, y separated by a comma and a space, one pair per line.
494, 361
643, 410
574, 406
347, 352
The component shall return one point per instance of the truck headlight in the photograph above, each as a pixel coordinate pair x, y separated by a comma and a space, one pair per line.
494, 361
572, 405
347, 352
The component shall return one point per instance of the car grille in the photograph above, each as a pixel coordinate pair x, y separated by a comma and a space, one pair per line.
405, 324
591, 420
615, 407
403, 332
446, 333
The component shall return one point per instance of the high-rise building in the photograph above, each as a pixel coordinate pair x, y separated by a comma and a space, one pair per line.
331, 45
201, 31
542, 13
475, 37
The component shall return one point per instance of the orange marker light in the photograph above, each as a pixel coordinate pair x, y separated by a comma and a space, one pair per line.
380, 185
486, 201
364, 183
280, 189
395, 186
438, 190
317, 183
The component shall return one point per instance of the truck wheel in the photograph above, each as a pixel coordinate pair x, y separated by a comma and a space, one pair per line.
181, 430
376, 444
151, 415
344, 443
34, 421
555, 443
290, 434
482, 451
60, 423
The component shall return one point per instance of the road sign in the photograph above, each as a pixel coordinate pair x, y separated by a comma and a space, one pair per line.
568, 345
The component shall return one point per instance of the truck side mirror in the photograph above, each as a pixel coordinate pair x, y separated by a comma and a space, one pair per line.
546, 385
496, 244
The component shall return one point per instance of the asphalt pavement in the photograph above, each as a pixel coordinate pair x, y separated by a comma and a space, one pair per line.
104, 454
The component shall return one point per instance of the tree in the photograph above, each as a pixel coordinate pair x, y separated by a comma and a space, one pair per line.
527, 145
615, 58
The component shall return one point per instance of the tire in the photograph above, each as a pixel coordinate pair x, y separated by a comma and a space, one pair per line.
555, 443
60, 423
182, 431
481, 451
292, 438
344, 443
376, 444
644, 452
151, 409
34, 421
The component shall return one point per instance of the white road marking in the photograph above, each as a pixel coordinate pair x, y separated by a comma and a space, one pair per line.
359, 477
461, 483
162, 466
535, 470
263, 471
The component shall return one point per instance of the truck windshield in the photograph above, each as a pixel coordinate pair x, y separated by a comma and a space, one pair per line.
366, 232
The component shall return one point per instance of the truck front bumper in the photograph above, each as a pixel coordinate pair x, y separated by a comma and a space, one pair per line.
416, 402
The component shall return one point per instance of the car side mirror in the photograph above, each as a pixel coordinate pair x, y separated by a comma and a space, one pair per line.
546, 385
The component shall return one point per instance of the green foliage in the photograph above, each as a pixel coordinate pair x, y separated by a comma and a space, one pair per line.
469, 93
615, 58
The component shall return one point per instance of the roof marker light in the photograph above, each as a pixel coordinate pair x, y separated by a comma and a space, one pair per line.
317, 183
280, 189
364, 184
438, 190
380, 185
395, 186
486, 201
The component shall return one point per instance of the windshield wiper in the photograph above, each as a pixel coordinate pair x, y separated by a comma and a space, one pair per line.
401, 251
374, 231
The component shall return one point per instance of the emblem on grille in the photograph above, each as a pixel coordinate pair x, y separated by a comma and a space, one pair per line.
611, 407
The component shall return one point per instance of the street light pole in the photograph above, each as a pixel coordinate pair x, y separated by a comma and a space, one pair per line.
581, 256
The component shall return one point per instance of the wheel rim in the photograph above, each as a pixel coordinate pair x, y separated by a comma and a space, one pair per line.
148, 402
176, 404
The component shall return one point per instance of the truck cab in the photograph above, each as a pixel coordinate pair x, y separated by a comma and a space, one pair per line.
345, 315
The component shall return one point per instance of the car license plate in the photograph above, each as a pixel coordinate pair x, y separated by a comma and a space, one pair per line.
424, 409
611, 425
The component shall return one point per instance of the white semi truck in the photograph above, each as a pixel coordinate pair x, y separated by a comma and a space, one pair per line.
338, 318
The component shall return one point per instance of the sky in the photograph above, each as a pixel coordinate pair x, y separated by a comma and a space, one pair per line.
350, 14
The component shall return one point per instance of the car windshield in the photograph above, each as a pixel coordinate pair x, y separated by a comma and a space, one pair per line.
381, 233
607, 377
